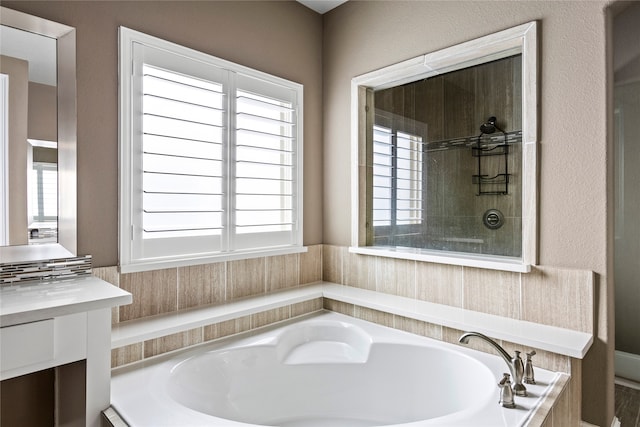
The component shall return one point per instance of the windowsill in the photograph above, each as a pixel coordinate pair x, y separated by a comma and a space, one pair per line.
492, 262
542, 337
231, 256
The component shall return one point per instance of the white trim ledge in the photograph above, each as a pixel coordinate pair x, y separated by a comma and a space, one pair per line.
542, 337
492, 262
148, 265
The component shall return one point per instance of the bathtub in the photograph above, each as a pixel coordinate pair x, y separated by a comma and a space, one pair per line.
325, 369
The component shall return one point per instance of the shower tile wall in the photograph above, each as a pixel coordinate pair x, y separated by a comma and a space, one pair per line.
453, 106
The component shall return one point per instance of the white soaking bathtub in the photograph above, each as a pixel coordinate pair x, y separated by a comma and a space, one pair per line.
324, 370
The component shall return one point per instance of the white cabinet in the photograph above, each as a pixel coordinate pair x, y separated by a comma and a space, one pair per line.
52, 324
26, 345
43, 344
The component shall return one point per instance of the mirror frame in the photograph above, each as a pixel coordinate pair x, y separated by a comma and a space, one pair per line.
67, 138
521, 39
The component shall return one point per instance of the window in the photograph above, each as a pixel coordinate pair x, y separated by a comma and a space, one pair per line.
44, 193
397, 208
429, 110
210, 157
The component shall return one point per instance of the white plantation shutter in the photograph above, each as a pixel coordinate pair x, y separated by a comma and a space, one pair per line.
181, 155
265, 164
409, 179
397, 178
382, 176
44, 192
212, 158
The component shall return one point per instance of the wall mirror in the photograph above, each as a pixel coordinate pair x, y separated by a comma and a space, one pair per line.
37, 138
445, 149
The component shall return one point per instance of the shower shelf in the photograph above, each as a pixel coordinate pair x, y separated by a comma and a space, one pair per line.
484, 180
497, 184
497, 150
501, 178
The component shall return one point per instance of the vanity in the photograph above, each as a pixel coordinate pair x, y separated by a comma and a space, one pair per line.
55, 323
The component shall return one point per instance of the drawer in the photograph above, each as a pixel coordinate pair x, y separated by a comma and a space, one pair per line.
26, 344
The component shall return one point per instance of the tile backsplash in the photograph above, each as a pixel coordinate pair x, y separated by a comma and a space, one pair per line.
49, 269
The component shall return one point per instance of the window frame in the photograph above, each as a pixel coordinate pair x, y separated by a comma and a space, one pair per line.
131, 257
521, 39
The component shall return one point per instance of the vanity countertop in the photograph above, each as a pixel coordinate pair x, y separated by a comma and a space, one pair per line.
35, 301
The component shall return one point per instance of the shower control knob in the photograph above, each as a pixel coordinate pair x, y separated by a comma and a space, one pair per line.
493, 219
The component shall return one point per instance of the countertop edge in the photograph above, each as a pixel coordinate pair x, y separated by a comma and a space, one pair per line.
38, 301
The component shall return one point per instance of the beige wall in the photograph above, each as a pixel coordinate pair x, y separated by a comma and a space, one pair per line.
362, 36
278, 37
43, 112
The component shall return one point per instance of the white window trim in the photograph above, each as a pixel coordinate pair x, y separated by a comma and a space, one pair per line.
127, 261
520, 39
4, 159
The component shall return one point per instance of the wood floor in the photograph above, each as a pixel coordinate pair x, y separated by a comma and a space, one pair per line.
628, 406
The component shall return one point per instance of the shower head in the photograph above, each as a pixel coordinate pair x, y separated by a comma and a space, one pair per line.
489, 126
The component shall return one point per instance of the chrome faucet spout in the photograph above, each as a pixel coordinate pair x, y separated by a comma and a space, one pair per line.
516, 367
465, 340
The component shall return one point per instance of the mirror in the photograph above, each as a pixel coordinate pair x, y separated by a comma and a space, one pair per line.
439, 178
38, 149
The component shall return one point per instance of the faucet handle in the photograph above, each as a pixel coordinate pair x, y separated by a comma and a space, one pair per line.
505, 380
529, 377
506, 394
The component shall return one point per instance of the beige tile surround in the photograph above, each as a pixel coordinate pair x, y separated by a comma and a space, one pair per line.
547, 295
170, 290
153, 347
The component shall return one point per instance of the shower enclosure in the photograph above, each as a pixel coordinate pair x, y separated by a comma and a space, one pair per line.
627, 191
445, 159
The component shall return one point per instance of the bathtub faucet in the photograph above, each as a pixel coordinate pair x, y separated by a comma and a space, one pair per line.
516, 367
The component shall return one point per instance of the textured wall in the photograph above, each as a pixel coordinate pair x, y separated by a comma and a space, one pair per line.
362, 36
281, 38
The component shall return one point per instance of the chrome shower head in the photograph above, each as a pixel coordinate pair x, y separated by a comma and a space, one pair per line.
489, 126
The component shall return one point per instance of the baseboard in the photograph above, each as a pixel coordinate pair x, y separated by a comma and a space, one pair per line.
627, 383
627, 366
614, 423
